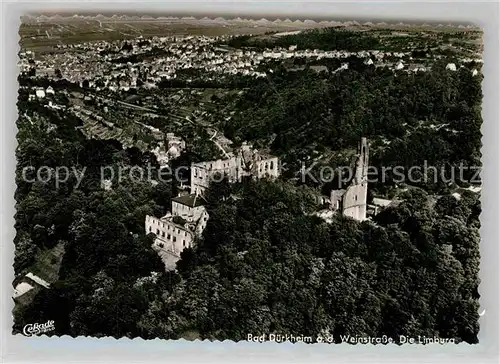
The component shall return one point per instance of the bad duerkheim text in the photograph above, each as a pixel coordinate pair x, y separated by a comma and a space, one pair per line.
402, 339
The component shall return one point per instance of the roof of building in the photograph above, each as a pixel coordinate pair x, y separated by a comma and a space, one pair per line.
22, 288
192, 200
38, 280
381, 202
263, 155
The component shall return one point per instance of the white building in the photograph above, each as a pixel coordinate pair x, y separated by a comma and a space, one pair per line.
21, 289
178, 229
40, 93
247, 162
174, 152
38, 280
451, 67
106, 184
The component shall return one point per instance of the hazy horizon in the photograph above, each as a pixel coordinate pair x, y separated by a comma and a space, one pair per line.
247, 15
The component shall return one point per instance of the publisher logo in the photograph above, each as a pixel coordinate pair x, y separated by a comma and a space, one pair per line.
37, 329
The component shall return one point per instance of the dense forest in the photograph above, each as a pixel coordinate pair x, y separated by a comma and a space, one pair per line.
264, 265
326, 39
432, 117
340, 38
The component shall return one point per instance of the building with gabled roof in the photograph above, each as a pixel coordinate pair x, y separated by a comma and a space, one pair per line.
178, 229
245, 162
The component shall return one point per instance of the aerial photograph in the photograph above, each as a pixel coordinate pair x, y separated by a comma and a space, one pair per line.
263, 179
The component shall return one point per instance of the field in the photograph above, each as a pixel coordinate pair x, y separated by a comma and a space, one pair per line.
44, 35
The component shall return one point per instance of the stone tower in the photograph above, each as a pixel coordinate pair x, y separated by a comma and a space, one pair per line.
362, 162
352, 201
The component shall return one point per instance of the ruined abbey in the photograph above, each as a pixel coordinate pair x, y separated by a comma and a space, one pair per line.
188, 217
245, 162
178, 228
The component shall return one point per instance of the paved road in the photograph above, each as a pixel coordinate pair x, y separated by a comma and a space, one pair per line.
218, 145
